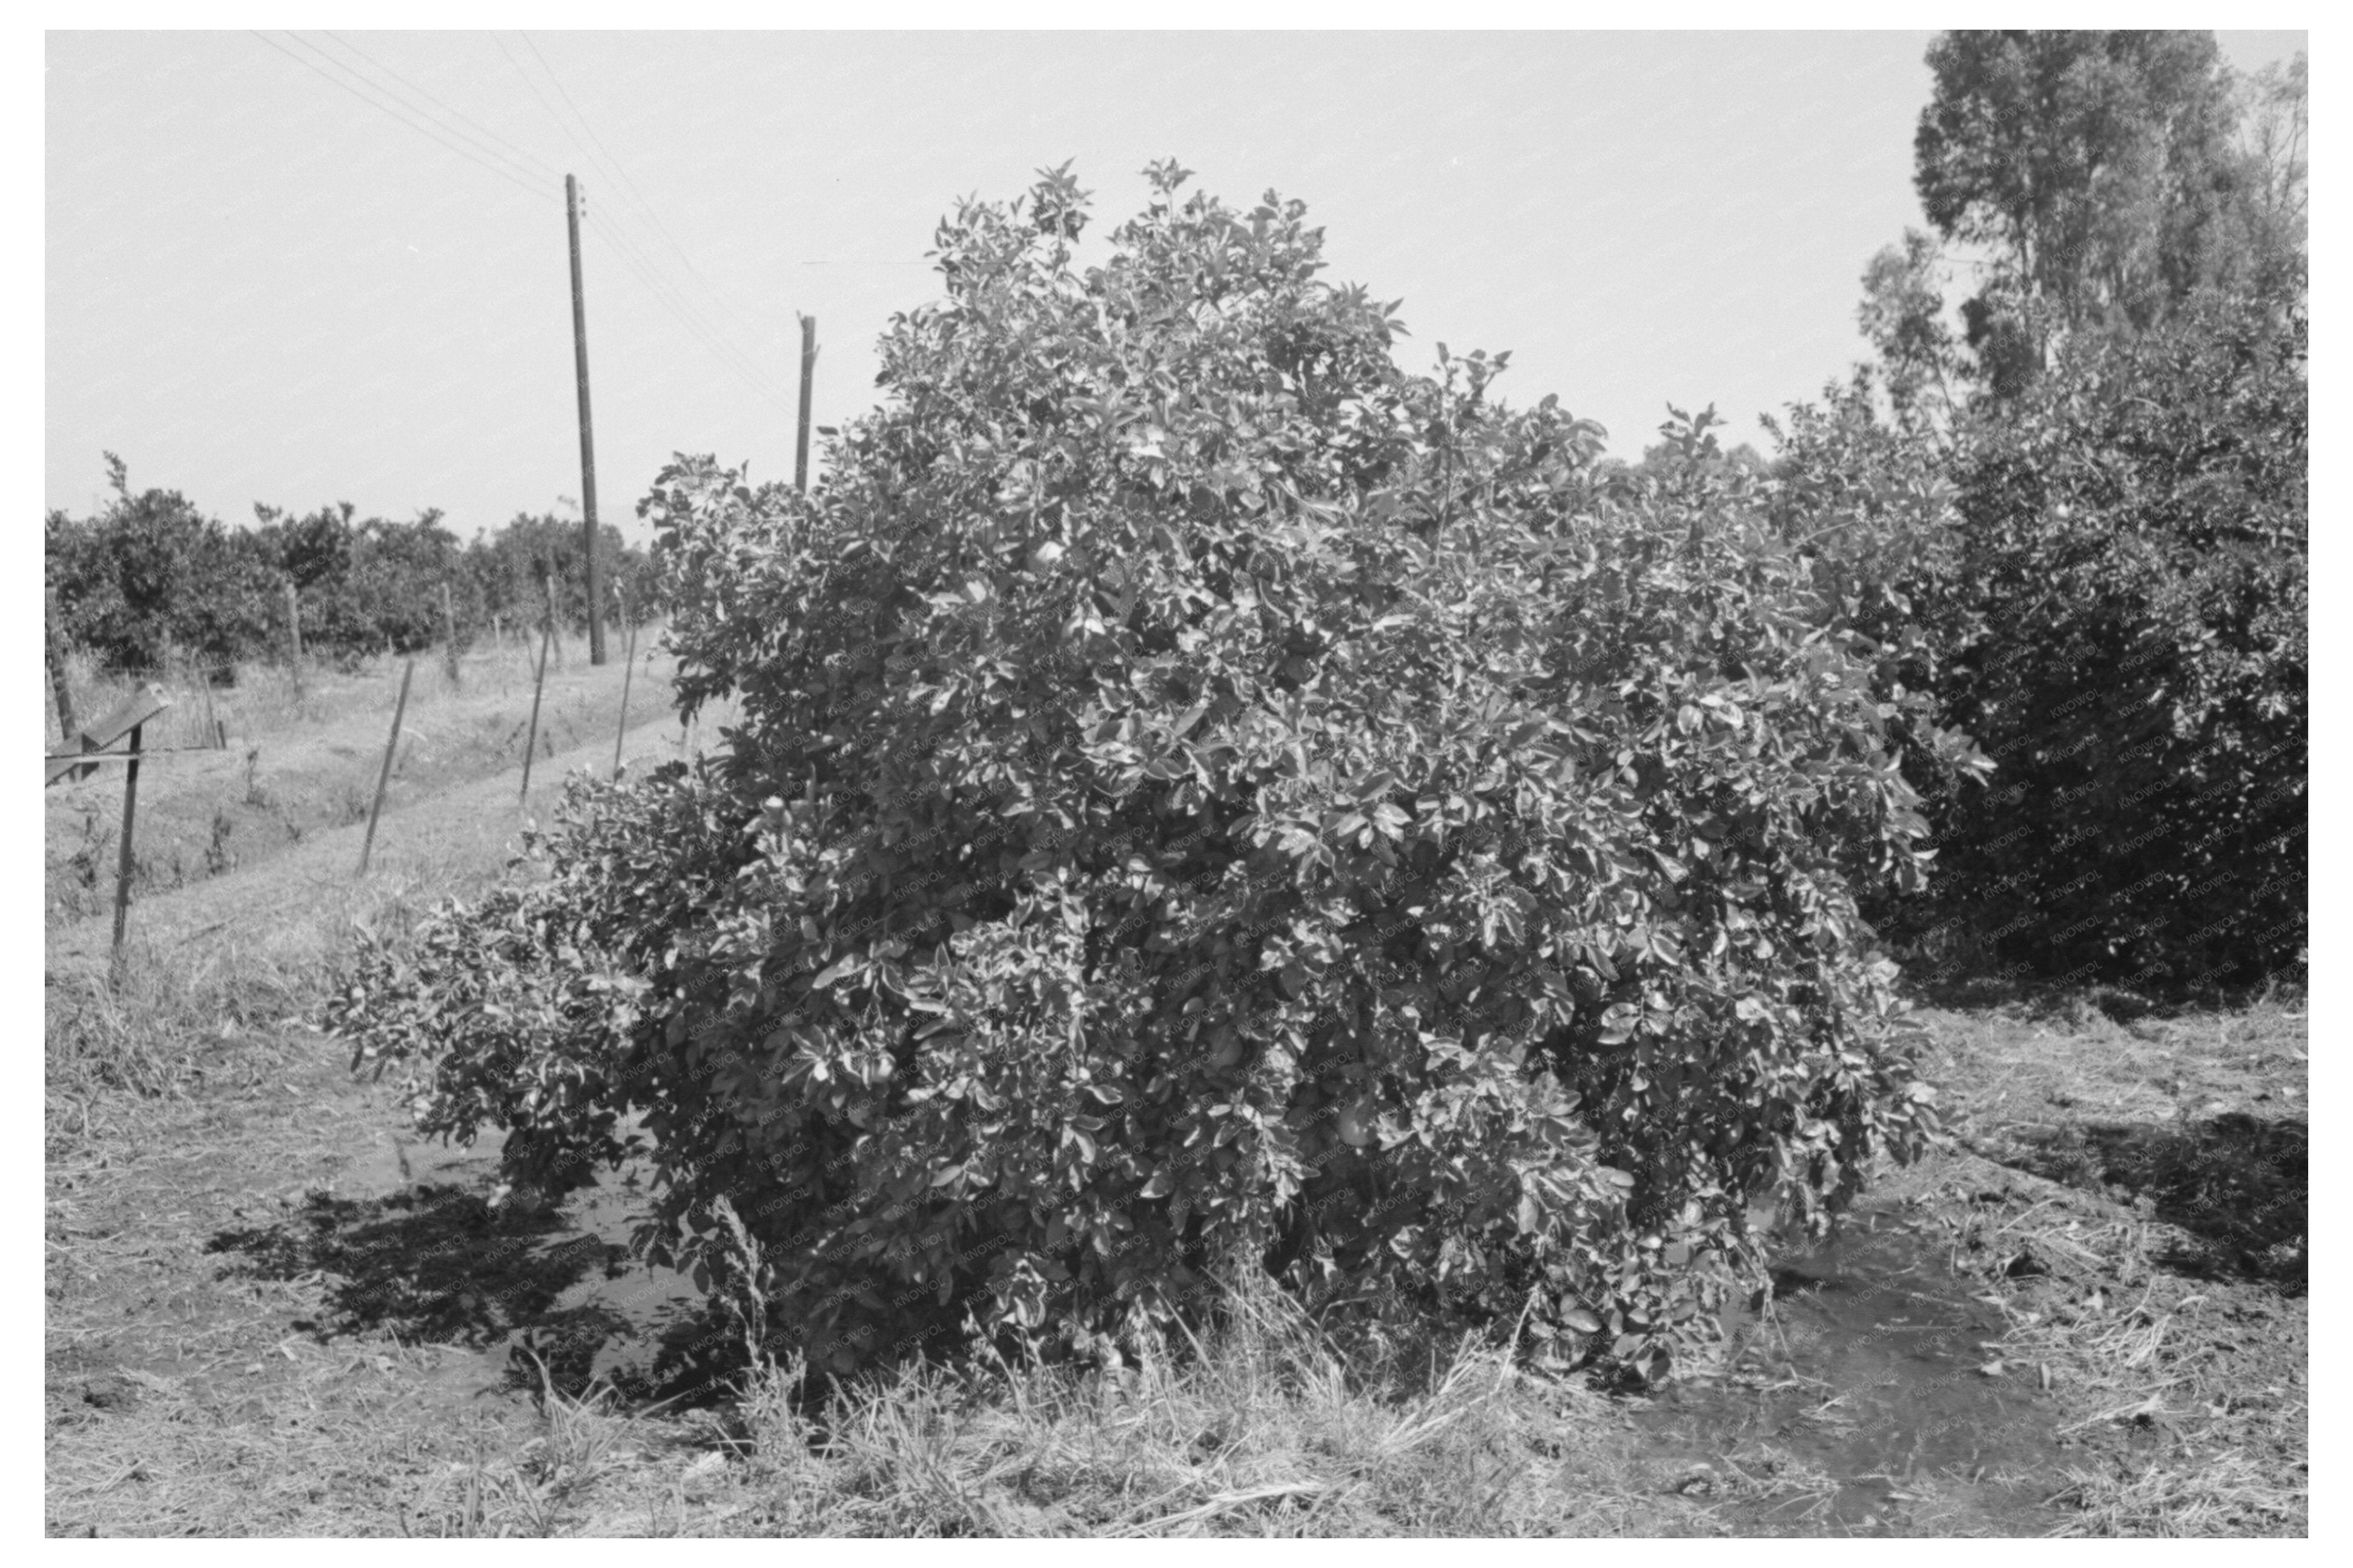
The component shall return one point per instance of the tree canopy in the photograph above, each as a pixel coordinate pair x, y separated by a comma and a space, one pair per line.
1205, 798
2104, 176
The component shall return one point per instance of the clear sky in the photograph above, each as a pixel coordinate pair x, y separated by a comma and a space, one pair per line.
261, 287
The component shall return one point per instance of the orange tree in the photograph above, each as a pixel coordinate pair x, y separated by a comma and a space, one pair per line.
1205, 798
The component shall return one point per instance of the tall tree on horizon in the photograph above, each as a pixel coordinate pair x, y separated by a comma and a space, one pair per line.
2098, 171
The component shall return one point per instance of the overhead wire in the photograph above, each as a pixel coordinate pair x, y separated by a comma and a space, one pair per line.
738, 315
545, 103
484, 156
648, 270
711, 338
397, 111
520, 154
613, 165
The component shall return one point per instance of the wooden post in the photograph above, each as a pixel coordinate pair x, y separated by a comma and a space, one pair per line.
628, 670
59, 688
294, 636
587, 439
531, 742
212, 722
449, 632
123, 864
548, 582
809, 375
383, 776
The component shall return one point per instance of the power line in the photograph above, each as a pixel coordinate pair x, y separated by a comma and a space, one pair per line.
647, 270
530, 84
550, 174
613, 165
743, 319
666, 297
710, 337
516, 153
396, 111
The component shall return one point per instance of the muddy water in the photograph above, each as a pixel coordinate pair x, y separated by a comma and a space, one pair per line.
1863, 1399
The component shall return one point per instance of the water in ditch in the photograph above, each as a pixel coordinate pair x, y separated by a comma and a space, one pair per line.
1866, 1397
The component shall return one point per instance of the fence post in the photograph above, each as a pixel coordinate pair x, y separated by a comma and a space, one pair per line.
123, 864
531, 742
553, 643
294, 636
383, 776
628, 671
212, 720
59, 686
450, 631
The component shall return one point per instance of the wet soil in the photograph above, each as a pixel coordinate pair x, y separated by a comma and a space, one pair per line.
1865, 1396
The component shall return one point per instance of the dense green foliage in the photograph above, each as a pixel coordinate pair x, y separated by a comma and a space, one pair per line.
2104, 582
2080, 524
2129, 642
1203, 798
150, 579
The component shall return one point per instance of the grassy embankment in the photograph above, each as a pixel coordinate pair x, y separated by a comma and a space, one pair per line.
270, 1311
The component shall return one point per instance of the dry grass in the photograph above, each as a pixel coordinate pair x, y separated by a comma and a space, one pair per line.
1261, 1430
210, 965
301, 765
2136, 1212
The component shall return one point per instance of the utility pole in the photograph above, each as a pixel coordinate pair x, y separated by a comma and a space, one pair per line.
587, 440
809, 375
